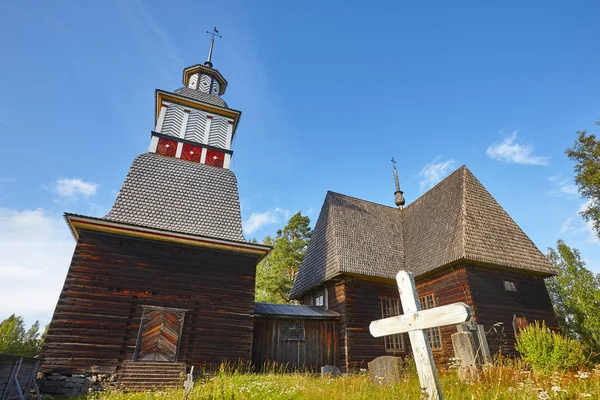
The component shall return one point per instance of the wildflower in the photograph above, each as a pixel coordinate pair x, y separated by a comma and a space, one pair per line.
543, 395
582, 375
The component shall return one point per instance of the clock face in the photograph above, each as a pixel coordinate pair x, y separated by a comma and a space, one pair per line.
193, 81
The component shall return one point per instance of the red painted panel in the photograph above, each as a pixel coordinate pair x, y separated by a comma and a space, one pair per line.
215, 158
166, 147
191, 153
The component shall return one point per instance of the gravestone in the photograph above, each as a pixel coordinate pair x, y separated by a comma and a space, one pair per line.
466, 353
330, 371
386, 370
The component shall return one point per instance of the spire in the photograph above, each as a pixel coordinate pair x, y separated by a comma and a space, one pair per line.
214, 33
398, 193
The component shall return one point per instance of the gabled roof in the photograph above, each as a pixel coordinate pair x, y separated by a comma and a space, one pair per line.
176, 195
293, 311
457, 220
352, 236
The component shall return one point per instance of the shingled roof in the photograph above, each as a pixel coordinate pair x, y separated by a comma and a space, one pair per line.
181, 196
457, 220
198, 95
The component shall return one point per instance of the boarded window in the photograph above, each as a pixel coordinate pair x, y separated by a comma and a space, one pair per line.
293, 330
435, 337
510, 286
391, 308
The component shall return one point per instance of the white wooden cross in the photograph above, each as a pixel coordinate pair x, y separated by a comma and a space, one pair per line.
414, 321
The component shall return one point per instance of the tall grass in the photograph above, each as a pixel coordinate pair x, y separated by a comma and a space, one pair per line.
505, 379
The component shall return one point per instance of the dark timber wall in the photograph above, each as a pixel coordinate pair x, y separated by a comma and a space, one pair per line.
97, 318
358, 302
319, 347
493, 304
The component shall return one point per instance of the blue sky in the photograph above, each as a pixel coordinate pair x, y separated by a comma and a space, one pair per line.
329, 91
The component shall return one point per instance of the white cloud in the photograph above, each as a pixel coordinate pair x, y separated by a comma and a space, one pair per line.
8, 179
509, 151
434, 172
567, 226
73, 188
35, 252
258, 220
563, 187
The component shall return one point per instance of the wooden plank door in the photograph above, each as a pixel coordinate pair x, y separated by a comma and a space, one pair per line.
159, 335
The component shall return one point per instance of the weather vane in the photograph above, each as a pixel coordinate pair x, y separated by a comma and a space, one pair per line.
214, 33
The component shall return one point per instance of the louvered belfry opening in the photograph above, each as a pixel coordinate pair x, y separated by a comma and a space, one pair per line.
160, 333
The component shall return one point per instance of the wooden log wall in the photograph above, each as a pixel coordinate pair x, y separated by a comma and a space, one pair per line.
97, 318
357, 300
449, 286
494, 304
319, 347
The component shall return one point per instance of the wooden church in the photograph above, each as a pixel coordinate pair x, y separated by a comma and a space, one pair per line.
167, 276
459, 243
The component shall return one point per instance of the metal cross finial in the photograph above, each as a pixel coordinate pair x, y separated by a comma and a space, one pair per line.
214, 33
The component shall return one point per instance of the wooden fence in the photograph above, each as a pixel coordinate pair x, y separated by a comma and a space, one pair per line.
17, 377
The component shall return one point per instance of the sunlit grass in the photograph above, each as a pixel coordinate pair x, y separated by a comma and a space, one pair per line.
504, 380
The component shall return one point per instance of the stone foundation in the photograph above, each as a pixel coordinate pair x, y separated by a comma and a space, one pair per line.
63, 385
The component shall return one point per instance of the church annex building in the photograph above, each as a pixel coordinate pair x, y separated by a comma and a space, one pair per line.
167, 276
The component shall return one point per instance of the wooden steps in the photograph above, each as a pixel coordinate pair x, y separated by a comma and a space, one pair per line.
139, 376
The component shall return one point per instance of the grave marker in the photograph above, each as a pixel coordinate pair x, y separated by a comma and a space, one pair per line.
414, 321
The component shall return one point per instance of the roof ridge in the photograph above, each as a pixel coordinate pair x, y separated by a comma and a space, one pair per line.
464, 213
433, 188
363, 200
336, 251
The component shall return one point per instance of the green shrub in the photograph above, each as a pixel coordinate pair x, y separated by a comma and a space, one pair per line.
547, 351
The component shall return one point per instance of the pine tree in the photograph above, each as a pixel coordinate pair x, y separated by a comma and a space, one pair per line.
275, 274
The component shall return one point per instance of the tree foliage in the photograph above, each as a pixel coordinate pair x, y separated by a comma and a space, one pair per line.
15, 339
275, 274
575, 293
586, 154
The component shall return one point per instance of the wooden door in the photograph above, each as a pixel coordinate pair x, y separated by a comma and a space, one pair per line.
159, 335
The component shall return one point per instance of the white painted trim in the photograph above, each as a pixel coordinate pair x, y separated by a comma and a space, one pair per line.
229, 133
153, 144
227, 160
186, 116
203, 156
207, 127
179, 150
161, 119
326, 298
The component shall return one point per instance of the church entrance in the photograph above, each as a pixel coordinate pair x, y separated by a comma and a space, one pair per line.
159, 335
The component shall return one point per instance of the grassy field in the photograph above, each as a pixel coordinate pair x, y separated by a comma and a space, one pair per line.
497, 382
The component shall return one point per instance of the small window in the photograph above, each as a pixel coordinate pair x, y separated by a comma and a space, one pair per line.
391, 308
319, 300
293, 330
510, 286
435, 337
